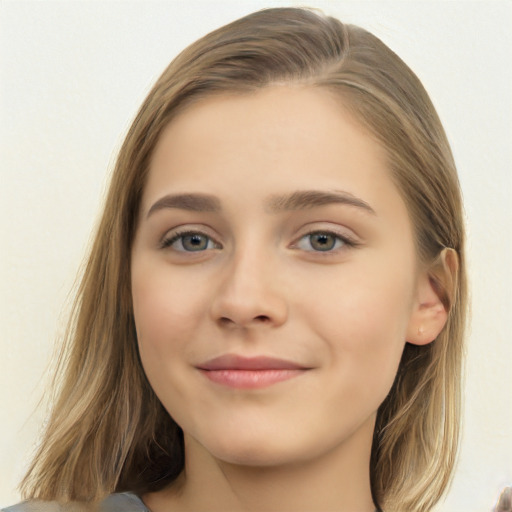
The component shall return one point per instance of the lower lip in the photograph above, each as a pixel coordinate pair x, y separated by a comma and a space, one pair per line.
250, 379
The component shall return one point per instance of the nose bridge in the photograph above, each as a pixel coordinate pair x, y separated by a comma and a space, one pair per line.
250, 264
249, 290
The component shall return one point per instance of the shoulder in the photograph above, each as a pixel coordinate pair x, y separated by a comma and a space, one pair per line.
123, 502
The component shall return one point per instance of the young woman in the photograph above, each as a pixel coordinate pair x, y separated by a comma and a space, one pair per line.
272, 313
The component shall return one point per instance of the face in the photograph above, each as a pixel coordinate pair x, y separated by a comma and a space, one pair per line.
274, 275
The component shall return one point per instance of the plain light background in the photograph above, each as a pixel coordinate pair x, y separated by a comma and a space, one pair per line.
73, 74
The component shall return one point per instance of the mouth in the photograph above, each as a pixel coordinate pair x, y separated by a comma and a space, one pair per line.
249, 373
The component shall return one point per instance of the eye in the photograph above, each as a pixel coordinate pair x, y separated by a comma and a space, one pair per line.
190, 241
322, 241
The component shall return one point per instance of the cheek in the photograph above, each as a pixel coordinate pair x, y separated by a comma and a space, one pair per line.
166, 312
167, 318
363, 321
367, 304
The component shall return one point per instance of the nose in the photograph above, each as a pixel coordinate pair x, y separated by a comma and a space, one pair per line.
249, 294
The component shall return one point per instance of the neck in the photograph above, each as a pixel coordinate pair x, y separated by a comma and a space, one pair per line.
335, 481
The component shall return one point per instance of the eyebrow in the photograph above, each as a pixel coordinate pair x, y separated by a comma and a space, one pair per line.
305, 199
299, 200
190, 202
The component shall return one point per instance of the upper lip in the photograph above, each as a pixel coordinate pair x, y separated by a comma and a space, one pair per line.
236, 362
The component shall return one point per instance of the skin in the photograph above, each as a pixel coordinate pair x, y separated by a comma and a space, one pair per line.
262, 287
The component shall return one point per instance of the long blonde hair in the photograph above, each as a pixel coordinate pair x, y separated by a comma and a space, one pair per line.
108, 431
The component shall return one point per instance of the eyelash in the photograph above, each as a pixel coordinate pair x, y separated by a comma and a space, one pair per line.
169, 241
346, 242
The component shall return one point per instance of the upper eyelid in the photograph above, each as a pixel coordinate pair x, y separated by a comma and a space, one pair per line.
185, 229
337, 230
174, 234
347, 241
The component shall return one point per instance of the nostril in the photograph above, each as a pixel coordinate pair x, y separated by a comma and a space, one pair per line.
225, 321
262, 318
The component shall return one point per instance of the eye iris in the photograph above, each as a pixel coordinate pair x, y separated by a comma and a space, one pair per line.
195, 242
322, 241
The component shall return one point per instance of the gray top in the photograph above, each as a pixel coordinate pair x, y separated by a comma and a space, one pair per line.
124, 502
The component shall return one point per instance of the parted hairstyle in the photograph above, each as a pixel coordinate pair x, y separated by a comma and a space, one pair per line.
107, 431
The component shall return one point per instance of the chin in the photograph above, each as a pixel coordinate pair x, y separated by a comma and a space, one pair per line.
256, 458
254, 448
268, 449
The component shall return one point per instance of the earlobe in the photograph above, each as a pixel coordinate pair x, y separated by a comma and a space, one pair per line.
435, 296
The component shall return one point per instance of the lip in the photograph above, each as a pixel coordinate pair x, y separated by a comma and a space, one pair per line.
236, 362
249, 372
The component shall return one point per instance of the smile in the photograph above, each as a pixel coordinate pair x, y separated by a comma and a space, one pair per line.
249, 373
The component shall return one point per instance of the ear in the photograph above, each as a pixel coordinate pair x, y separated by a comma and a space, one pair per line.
435, 295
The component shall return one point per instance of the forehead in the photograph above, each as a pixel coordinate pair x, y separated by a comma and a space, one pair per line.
288, 112
278, 137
